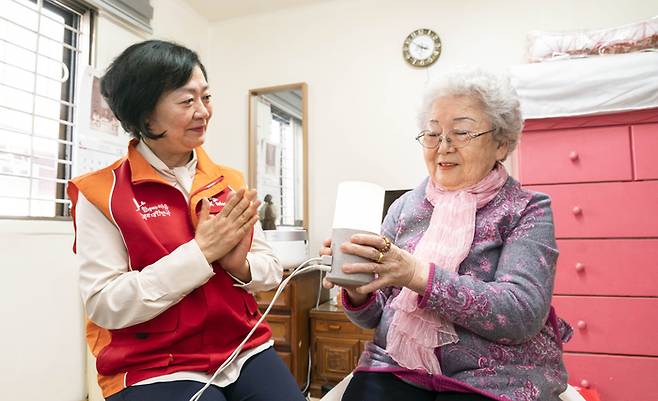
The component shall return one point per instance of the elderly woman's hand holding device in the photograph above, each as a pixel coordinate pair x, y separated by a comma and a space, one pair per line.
391, 265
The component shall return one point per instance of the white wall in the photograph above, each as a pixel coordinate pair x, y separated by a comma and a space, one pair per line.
43, 341
362, 94
172, 20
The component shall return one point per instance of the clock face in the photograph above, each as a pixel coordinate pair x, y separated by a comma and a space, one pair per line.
422, 47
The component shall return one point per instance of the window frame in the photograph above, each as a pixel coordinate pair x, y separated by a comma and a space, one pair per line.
77, 38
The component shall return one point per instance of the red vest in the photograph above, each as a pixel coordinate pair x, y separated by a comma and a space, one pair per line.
154, 218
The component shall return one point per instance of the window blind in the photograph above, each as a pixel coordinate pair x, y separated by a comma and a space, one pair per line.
137, 13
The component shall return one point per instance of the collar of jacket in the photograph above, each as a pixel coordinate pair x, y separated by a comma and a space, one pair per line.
207, 178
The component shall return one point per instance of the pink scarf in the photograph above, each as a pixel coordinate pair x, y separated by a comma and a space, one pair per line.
415, 333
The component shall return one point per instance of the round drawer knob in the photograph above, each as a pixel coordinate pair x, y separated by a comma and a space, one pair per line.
584, 383
582, 324
573, 156
580, 267
577, 211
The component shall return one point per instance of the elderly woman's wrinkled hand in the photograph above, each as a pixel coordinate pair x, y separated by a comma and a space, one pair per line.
391, 265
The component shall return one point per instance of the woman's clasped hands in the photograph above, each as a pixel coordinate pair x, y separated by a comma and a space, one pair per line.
224, 237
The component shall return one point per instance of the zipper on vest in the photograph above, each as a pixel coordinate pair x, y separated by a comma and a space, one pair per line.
208, 186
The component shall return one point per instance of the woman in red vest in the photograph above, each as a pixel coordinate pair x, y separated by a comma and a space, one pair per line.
170, 247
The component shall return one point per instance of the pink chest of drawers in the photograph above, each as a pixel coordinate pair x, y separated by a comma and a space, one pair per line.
602, 175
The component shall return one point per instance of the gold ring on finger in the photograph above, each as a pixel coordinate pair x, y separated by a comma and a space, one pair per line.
387, 245
381, 256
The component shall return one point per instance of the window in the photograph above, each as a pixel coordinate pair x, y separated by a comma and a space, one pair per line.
43, 44
278, 151
286, 131
280, 170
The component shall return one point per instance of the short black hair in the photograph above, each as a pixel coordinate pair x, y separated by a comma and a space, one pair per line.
137, 78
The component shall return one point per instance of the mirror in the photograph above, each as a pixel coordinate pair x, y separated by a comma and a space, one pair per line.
278, 156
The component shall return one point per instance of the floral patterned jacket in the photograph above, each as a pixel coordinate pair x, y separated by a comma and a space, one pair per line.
510, 343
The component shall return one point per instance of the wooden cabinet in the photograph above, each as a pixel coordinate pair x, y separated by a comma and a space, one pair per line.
337, 345
289, 320
601, 174
336, 357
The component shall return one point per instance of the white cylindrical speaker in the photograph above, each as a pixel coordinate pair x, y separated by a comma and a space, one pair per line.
358, 210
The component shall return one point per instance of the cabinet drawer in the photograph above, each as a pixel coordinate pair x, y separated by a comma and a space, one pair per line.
281, 332
645, 146
283, 302
336, 357
627, 267
616, 209
575, 155
612, 325
335, 326
616, 378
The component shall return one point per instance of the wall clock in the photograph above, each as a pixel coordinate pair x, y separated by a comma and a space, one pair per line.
421, 47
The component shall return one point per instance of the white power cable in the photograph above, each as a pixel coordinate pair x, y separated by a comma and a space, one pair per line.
324, 266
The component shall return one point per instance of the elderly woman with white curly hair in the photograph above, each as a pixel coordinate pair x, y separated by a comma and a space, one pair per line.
461, 303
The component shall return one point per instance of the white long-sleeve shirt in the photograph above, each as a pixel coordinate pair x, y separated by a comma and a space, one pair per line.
115, 296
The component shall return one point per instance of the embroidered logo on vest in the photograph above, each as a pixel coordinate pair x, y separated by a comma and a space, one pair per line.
217, 202
152, 212
138, 204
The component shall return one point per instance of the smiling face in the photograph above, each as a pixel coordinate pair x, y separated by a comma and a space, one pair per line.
183, 114
454, 169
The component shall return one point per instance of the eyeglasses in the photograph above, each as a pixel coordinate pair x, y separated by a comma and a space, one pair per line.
456, 139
